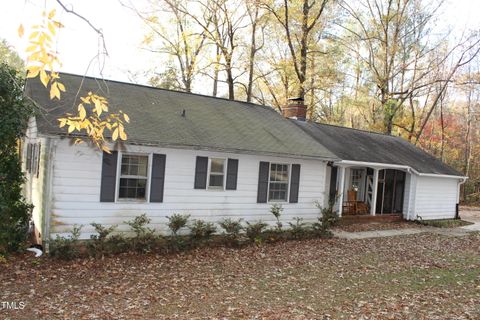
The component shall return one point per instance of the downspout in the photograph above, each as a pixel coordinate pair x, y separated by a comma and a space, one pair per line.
457, 213
47, 193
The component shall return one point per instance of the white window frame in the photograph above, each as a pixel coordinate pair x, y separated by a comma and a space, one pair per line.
289, 173
225, 163
119, 171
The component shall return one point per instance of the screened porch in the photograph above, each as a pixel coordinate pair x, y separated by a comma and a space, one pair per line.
367, 189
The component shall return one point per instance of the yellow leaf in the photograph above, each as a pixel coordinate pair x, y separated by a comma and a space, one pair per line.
51, 28
61, 86
115, 134
126, 117
85, 100
51, 14
123, 135
21, 30
33, 72
31, 48
58, 24
81, 111
33, 35
105, 148
54, 92
44, 77
71, 128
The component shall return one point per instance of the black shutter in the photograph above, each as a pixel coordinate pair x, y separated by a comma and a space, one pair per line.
232, 172
262, 192
201, 169
109, 176
33, 160
294, 183
28, 161
158, 178
37, 161
332, 195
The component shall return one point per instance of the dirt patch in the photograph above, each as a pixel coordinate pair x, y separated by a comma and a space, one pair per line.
375, 226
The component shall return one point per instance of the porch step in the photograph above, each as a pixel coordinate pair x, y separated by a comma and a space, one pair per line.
345, 220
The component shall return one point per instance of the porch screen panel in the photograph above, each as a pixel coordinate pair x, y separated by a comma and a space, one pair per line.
381, 178
399, 192
389, 191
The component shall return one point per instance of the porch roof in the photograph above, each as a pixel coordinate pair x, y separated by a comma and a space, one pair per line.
365, 146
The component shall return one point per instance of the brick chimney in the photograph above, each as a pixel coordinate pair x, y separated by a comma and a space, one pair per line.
295, 109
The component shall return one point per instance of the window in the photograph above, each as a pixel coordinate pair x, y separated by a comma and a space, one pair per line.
278, 184
32, 163
357, 182
133, 177
217, 173
356, 179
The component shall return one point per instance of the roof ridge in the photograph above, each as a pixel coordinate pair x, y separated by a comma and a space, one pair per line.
168, 90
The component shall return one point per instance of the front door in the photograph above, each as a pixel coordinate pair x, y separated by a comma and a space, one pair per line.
391, 186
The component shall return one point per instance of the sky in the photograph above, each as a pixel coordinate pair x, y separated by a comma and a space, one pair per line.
77, 43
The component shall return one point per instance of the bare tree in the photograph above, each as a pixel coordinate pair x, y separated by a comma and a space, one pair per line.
180, 40
396, 40
221, 22
298, 29
255, 16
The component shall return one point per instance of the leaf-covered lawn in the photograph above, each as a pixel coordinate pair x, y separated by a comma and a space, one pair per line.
422, 276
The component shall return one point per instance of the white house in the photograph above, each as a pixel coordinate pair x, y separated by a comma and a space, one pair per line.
214, 158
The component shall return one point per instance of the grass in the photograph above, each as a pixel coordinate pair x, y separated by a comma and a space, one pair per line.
424, 276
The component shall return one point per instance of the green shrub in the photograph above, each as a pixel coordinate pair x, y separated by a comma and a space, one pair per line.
145, 239
201, 230
117, 243
276, 210
255, 230
66, 248
99, 244
176, 222
232, 227
15, 111
328, 219
298, 229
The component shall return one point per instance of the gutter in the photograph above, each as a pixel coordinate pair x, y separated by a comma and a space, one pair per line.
398, 166
206, 148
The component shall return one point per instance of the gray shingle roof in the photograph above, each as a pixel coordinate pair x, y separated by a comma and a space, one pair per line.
358, 145
210, 123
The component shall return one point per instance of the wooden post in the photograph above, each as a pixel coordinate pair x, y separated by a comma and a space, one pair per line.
341, 191
373, 204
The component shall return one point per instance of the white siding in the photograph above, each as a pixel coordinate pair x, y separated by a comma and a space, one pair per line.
435, 197
76, 190
35, 184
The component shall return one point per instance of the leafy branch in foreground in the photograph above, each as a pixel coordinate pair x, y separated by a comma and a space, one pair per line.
93, 118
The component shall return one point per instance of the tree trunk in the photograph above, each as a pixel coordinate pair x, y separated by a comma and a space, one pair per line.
216, 70
230, 80
253, 51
